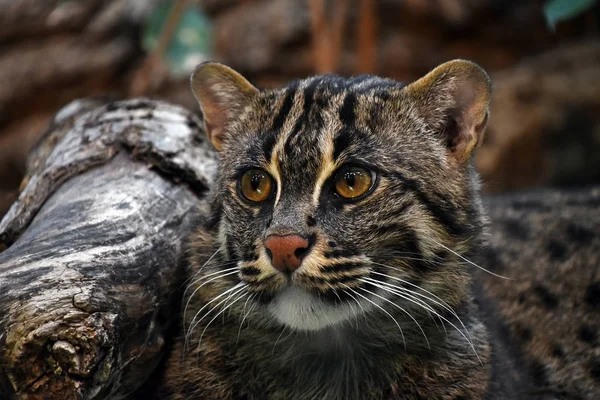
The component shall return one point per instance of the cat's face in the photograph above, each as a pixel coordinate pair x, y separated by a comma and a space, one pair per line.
335, 193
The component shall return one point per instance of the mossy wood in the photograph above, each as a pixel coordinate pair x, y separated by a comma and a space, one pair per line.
91, 252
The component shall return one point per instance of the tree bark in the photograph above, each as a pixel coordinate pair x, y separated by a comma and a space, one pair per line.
94, 247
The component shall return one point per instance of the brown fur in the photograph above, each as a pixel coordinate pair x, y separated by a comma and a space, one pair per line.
331, 329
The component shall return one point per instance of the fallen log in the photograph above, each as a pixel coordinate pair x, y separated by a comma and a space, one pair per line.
93, 249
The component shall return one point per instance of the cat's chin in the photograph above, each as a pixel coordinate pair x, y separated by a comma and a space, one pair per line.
300, 310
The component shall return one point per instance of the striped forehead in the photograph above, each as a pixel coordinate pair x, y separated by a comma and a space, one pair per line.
313, 122
302, 133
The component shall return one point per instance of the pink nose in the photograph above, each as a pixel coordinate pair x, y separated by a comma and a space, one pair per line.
287, 252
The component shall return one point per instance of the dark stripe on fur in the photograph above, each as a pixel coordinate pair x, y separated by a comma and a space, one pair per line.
339, 253
441, 212
231, 252
347, 115
250, 255
412, 250
251, 271
349, 266
333, 280
309, 99
340, 143
288, 101
393, 227
270, 139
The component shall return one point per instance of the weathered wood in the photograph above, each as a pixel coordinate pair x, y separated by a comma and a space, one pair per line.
94, 249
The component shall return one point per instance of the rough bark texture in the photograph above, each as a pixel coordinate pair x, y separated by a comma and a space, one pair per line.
94, 248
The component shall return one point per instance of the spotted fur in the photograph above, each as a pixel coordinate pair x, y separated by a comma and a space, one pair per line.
548, 316
381, 307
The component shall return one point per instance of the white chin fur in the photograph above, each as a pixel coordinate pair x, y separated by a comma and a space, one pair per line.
300, 310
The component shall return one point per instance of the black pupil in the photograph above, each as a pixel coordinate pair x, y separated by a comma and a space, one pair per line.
255, 182
350, 178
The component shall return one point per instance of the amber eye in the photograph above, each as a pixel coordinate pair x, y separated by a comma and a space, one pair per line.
256, 185
353, 182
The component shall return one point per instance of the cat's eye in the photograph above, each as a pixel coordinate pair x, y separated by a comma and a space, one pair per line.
256, 185
352, 182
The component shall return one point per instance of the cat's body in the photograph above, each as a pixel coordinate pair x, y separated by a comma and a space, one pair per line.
547, 317
334, 262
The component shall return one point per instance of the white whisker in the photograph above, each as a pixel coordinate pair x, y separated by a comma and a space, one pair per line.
277, 341
381, 308
220, 271
220, 266
412, 294
195, 323
198, 288
406, 291
439, 301
470, 262
402, 257
364, 313
401, 309
409, 296
227, 306
451, 324
204, 265
245, 314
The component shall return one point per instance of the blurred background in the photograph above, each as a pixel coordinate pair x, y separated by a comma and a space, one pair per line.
543, 56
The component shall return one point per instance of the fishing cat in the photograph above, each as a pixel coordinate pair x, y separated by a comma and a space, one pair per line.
336, 261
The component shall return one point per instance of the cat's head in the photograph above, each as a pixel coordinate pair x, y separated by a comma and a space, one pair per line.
334, 195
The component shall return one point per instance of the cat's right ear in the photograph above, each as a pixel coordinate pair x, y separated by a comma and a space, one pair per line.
222, 94
454, 101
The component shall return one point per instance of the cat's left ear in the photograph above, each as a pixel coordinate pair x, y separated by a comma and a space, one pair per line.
222, 94
454, 101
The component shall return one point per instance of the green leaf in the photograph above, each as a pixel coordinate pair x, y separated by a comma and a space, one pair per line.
191, 42
560, 10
